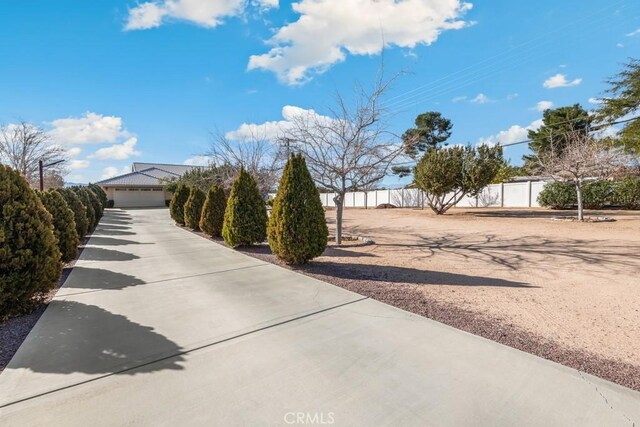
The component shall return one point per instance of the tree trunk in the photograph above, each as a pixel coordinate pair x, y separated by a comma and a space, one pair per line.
580, 203
339, 201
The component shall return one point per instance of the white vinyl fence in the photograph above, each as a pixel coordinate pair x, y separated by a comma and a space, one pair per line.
508, 195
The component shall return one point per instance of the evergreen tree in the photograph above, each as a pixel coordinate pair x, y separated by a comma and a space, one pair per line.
96, 204
213, 212
193, 208
100, 193
79, 211
245, 218
29, 257
176, 207
63, 223
297, 227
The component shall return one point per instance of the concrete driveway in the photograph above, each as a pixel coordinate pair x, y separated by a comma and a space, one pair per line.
157, 326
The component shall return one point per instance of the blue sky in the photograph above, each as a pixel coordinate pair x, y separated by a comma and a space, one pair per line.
123, 81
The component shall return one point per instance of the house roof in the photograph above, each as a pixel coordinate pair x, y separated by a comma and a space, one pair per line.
174, 169
154, 175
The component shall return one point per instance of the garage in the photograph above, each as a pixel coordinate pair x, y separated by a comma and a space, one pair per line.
138, 197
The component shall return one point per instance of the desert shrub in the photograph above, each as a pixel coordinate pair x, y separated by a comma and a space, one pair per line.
176, 206
386, 206
90, 211
193, 208
626, 192
79, 210
245, 217
558, 195
297, 229
213, 212
110, 203
64, 225
29, 256
597, 194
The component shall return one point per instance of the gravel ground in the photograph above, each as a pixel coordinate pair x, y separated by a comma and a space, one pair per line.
15, 330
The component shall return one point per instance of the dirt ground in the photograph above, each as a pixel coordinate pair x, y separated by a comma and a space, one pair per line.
574, 283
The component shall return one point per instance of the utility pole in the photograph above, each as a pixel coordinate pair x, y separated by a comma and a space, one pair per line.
41, 167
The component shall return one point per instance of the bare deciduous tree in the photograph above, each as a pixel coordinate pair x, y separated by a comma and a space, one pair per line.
255, 153
23, 145
349, 150
583, 157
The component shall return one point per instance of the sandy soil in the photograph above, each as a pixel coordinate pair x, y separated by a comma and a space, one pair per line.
572, 283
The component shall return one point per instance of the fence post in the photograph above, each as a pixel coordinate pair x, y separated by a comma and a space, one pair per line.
502, 194
530, 193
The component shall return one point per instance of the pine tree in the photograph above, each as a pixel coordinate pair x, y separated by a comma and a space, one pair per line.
245, 218
63, 223
213, 212
100, 193
96, 204
297, 226
176, 207
193, 208
29, 257
79, 211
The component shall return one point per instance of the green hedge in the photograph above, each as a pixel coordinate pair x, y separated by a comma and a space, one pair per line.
626, 193
63, 223
596, 194
29, 257
89, 209
245, 218
297, 229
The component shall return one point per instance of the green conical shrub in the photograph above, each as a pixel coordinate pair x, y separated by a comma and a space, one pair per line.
88, 206
79, 211
96, 204
213, 212
29, 257
193, 208
176, 207
63, 224
100, 193
245, 218
297, 228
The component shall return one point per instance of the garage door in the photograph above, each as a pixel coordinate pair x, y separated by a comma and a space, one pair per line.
138, 197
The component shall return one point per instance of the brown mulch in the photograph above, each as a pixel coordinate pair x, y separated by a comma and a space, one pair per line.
14, 330
408, 297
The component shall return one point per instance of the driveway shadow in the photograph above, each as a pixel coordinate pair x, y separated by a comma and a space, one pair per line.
76, 337
111, 232
98, 278
112, 241
101, 254
393, 274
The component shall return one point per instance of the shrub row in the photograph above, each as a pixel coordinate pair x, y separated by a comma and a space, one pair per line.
40, 231
296, 231
624, 193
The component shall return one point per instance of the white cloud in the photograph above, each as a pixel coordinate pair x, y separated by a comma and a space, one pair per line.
327, 31
77, 164
515, 133
197, 161
481, 98
117, 151
459, 99
111, 171
271, 130
91, 128
595, 101
73, 151
207, 13
543, 105
619, 45
560, 80
633, 33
